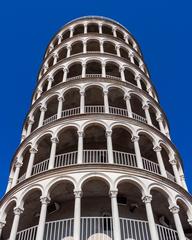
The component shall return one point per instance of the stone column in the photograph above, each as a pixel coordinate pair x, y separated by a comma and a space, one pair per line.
42, 219
131, 56
50, 81
100, 28
126, 37
77, 215
10, 181
55, 56
83, 70
106, 102
147, 115
128, 104
82, 102
45, 68
65, 71
54, 141
135, 140
114, 32
60, 107
43, 109
175, 211
101, 47
33, 151
150, 217
158, 149
60, 37
173, 162
17, 212
71, 32
109, 147
149, 90
30, 124
39, 92
16, 174
85, 46
159, 118
80, 147
118, 50
68, 51
115, 215
122, 69
103, 70
138, 80
85, 28
2, 225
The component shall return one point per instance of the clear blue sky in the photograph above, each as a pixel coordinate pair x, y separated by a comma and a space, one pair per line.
163, 30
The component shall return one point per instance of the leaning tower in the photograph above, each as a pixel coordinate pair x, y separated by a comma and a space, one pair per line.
96, 161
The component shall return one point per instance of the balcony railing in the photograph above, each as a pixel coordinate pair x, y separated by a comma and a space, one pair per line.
98, 228
97, 156
70, 112
139, 118
118, 111
94, 109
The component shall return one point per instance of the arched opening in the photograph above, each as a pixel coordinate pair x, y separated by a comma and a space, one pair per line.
137, 108
96, 208
152, 113
50, 62
41, 160
51, 107
93, 67
23, 169
109, 48
94, 102
58, 77
107, 30
130, 77
74, 70
123, 147
132, 212
93, 46
77, 47
136, 61
116, 99
112, 70
130, 42
124, 53
44, 86
71, 102
183, 209
55, 42
62, 54
120, 35
60, 211
149, 157
143, 85
92, 28
9, 220
79, 29
66, 35
36, 116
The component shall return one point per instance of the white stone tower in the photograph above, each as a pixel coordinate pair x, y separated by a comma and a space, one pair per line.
96, 161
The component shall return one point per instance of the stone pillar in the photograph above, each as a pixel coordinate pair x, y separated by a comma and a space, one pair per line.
114, 32
122, 69
60, 37
43, 109
68, 51
10, 181
82, 102
55, 56
115, 215
45, 68
158, 149
17, 212
85, 28
173, 162
100, 28
33, 151
42, 219
106, 102
80, 147
128, 104
65, 71
71, 32
2, 225
30, 124
50, 81
60, 107
147, 115
131, 56
126, 37
77, 215
83, 70
39, 92
149, 89
138, 80
135, 140
109, 147
16, 174
53, 152
175, 211
150, 217
103, 70
85, 46
101, 47
118, 50
159, 118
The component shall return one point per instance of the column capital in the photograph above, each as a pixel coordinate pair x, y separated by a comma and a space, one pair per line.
18, 210
54, 140
30, 121
45, 67
147, 198
108, 133
145, 106
127, 97
117, 46
189, 220
105, 91
50, 79
69, 47
80, 133
113, 193
71, 28
59, 36
45, 200
43, 108
83, 64
33, 150
18, 164
135, 138
131, 54
2, 224
103, 64
65, 69
114, 28
78, 193
60, 98
126, 36
174, 209
173, 161
138, 77
157, 148
121, 68
55, 55
82, 92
